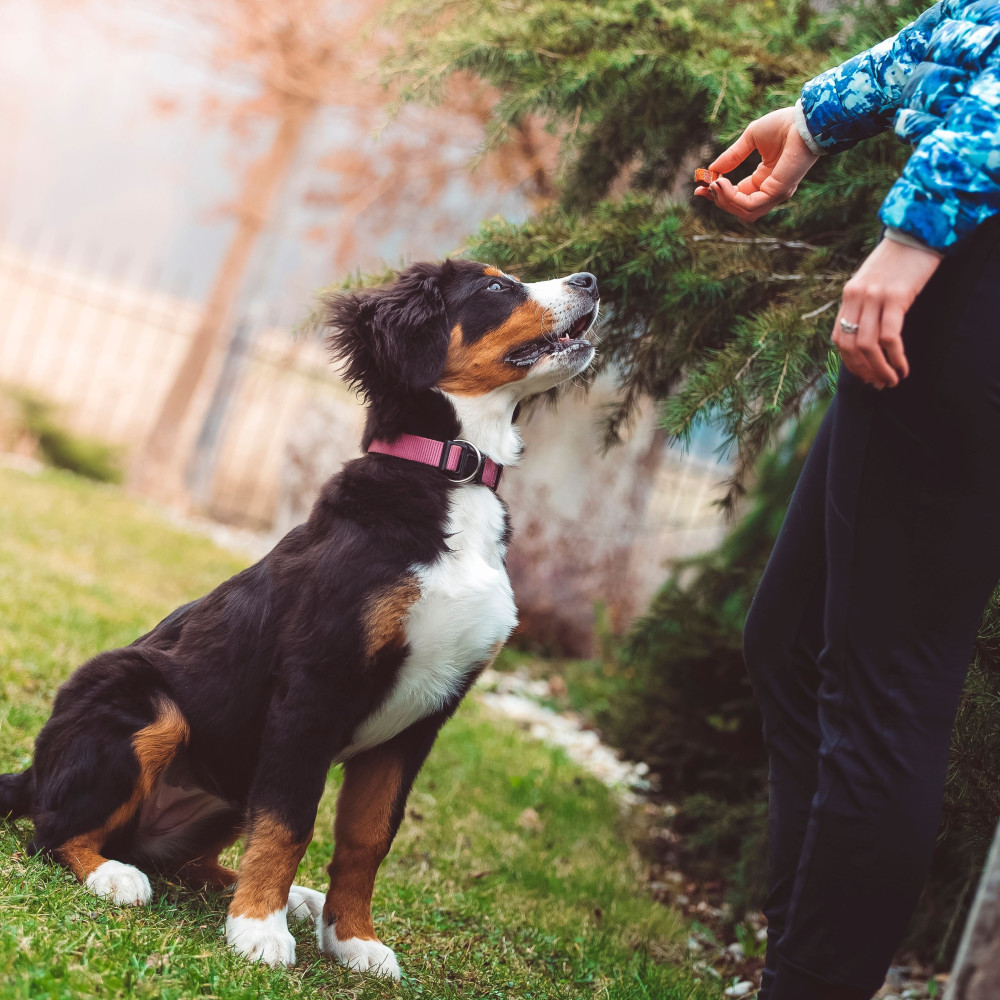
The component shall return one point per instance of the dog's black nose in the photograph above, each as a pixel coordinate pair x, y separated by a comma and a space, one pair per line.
584, 280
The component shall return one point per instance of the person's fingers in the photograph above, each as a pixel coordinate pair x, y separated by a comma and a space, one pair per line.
732, 200
854, 360
878, 299
870, 327
719, 190
845, 342
744, 206
752, 183
891, 338
732, 157
784, 162
861, 346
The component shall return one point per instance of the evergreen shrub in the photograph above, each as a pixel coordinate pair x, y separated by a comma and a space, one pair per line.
688, 710
722, 322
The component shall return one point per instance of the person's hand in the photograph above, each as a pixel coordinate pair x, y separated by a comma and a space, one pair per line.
785, 160
874, 304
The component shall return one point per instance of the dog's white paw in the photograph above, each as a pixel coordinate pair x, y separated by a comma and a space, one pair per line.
360, 954
305, 904
264, 940
120, 883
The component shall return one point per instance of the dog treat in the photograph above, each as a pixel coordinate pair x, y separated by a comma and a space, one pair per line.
705, 176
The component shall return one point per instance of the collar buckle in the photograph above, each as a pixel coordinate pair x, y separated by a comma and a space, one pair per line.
470, 461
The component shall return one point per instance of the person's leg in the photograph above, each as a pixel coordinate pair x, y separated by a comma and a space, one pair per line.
913, 551
781, 643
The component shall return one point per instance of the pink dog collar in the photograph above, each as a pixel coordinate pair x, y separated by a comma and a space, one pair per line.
463, 458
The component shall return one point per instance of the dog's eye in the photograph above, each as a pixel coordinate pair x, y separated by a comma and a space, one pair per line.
495, 286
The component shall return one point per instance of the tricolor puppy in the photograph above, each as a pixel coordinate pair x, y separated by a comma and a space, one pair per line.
352, 641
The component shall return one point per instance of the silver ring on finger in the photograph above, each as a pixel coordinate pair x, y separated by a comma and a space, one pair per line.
848, 327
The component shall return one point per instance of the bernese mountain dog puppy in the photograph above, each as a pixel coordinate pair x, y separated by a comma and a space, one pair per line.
351, 642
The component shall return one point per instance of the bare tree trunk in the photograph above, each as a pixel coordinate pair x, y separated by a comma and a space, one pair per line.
976, 974
159, 469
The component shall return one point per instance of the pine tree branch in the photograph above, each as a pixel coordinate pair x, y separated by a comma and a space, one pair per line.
781, 382
821, 276
771, 242
822, 309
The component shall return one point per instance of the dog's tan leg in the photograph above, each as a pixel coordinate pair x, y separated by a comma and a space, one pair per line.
257, 925
154, 746
368, 812
121, 883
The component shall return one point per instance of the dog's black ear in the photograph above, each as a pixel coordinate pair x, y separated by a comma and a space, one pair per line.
394, 337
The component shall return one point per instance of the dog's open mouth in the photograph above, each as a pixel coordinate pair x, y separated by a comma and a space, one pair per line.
568, 340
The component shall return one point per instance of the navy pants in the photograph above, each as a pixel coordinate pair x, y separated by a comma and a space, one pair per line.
859, 637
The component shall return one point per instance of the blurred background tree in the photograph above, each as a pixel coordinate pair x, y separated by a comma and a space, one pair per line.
304, 55
723, 323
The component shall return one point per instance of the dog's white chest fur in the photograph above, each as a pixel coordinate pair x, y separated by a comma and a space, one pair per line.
464, 613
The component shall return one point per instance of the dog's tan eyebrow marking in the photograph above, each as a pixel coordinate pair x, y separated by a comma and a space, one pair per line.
267, 868
494, 272
475, 369
384, 617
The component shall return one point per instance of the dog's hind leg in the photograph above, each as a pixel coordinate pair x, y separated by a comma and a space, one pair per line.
198, 866
73, 799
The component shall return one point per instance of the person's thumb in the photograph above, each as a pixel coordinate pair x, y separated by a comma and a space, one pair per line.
731, 158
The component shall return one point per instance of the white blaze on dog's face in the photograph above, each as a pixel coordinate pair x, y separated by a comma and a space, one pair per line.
521, 337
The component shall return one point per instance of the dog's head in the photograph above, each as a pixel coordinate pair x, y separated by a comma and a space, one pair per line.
465, 328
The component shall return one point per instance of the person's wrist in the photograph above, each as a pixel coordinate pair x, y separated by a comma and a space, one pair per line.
906, 239
910, 256
802, 128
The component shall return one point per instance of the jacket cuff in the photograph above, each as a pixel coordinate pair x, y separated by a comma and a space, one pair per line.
927, 216
909, 240
802, 127
838, 122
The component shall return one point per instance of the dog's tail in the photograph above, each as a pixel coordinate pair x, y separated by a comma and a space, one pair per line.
15, 794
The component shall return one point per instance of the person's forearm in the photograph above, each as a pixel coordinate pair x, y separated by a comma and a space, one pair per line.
951, 182
859, 98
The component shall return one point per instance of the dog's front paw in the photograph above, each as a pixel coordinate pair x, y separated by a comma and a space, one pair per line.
305, 904
360, 954
120, 883
264, 940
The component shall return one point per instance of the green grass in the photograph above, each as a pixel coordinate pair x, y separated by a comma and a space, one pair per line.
474, 905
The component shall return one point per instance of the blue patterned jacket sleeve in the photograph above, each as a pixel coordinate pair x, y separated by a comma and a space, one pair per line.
859, 98
951, 182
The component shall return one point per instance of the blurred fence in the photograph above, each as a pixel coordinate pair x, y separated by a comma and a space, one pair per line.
99, 337
102, 338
